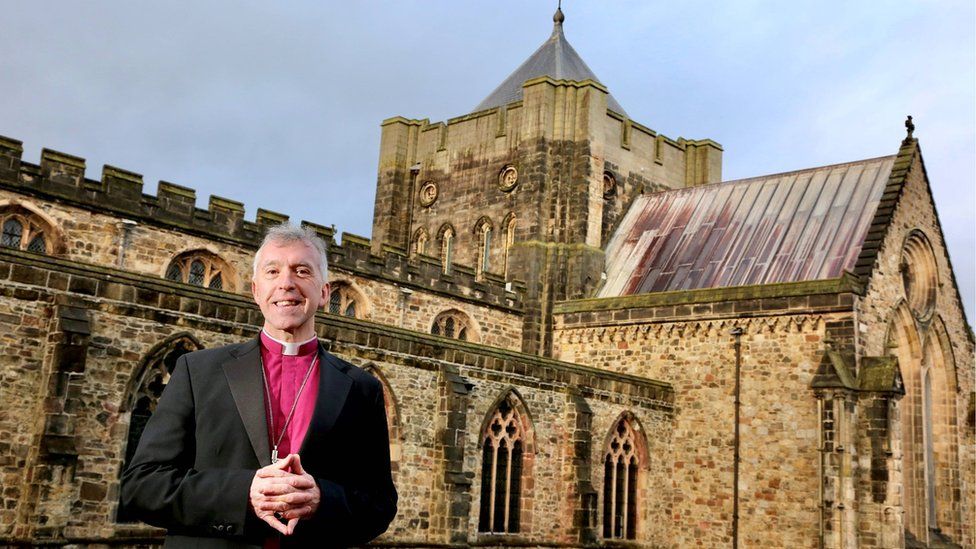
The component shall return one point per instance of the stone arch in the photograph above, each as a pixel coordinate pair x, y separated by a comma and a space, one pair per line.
36, 228
509, 223
393, 424
346, 298
456, 324
625, 455
446, 238
204, 268
940, 432
420, 241
483, 230
145, 387
507, 447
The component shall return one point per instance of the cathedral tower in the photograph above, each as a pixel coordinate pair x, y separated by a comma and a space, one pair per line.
530, 185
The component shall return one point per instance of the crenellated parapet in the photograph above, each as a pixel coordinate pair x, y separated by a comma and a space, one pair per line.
60, 177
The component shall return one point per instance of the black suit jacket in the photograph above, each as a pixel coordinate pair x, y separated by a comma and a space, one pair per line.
193, 468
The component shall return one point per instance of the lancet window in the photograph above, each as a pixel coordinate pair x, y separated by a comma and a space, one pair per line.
509, 227
447, 247
420, 240
201, 268
620, 471
484, 231
156, 372
503, 449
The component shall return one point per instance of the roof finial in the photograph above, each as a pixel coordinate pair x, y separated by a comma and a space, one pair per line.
558, 17
910, 126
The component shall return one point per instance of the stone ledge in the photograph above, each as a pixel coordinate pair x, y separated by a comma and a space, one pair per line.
41, 278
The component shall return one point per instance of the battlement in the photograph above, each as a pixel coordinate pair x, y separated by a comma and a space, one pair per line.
61, 177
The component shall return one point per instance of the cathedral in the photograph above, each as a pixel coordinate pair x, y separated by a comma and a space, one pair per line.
585, 336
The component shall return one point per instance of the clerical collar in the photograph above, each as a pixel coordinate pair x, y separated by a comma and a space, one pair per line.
288, 348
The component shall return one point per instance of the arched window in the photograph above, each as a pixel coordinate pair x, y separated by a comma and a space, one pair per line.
148, 386
447, 247
502, 458
454, 324
201, 268
620, 470
392, 417
345, 300
420, 239
483, 231
509, 227
23, 229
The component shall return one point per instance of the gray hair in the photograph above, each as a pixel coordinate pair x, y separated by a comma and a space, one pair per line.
286, 233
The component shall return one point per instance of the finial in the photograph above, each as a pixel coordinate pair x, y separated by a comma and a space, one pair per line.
558, 17
910, 126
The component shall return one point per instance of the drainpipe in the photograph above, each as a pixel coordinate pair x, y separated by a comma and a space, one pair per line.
737, 334
820, 467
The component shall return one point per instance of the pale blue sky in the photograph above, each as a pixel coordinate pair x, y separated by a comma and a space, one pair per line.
273, 103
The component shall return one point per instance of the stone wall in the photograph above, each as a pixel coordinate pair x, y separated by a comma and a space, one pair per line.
927, 332
96, 327
686, 339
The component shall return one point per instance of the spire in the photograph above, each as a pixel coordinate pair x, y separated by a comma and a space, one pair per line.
555, 58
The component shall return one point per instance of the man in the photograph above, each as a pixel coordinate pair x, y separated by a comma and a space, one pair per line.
217, 469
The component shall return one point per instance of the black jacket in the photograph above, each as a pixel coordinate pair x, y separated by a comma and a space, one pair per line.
193, 468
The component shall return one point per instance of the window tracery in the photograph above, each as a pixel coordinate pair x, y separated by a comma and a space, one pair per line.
201, 268
447, 247
503, 448
420, 240
484, 231
23, 230
454, 324
345, 300
620, 472
509, 227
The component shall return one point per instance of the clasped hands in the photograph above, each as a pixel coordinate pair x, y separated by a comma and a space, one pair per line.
284, 491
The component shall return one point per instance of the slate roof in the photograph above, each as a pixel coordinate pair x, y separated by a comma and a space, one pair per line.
554, 58
803, 225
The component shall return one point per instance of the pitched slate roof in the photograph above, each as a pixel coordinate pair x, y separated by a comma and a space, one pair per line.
554, 58
803, 225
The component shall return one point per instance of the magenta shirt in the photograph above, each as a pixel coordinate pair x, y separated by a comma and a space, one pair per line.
284, 376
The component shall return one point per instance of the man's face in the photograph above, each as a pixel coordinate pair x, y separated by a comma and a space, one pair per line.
289, 289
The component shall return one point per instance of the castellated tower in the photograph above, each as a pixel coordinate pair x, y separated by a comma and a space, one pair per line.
531, 184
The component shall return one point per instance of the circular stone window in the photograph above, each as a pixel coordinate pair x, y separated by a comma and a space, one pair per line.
508, 178
919, 274
609, 185
428, 194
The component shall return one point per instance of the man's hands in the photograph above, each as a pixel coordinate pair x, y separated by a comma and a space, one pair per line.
284, 490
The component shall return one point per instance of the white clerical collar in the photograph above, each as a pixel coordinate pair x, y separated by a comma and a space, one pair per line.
288, 348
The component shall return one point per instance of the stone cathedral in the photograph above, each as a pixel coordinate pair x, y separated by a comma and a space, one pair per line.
585, 336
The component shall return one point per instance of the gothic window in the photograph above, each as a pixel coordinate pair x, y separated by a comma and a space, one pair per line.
345, 300
447, 247
454, 324
392, 417
156, 371
620, 470
24, 230
420, 240
201, 268
509, 227
483, 229
503, 449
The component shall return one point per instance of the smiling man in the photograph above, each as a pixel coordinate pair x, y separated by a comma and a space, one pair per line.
272, 442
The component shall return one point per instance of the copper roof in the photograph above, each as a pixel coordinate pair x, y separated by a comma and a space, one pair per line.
803, 225
555, 58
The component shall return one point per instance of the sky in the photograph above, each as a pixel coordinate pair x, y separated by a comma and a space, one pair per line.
278, 105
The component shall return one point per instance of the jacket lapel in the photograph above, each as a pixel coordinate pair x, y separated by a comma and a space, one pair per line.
334, 387
246, 381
